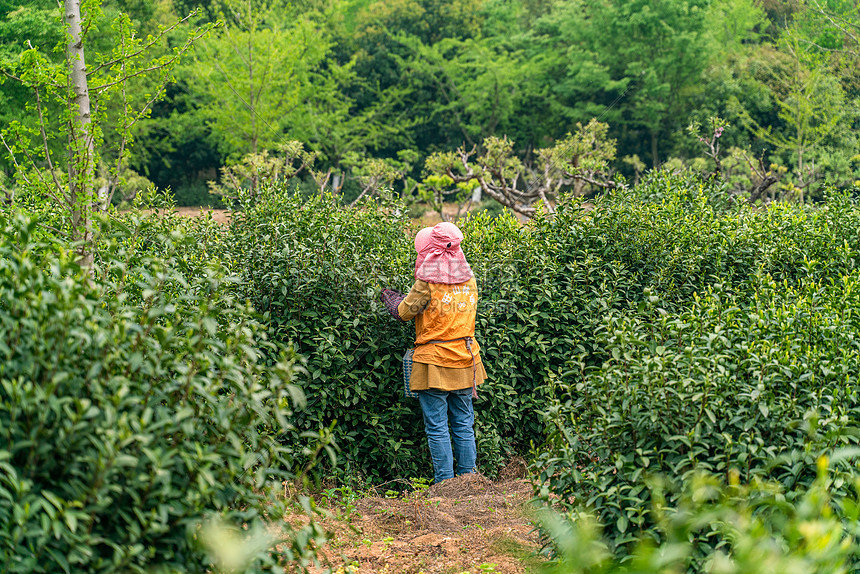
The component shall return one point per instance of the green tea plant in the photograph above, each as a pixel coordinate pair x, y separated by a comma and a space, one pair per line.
134, 407
759, 530
314, 272
761, 388
549, 288
129, 242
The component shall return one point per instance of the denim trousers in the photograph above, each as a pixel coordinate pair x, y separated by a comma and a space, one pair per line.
441, 408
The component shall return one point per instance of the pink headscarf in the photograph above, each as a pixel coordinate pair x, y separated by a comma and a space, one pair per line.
440, 259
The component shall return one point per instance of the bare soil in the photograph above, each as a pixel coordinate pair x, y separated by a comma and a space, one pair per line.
219, 215
467, 524
429, 218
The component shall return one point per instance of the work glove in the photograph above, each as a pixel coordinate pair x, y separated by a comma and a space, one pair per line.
391, 299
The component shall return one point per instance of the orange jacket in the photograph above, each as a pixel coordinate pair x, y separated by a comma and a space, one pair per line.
442, 312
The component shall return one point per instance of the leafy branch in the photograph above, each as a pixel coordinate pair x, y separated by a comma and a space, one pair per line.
580, 160
71, 99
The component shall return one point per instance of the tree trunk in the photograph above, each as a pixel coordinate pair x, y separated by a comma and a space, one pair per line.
251, 103
578, 184
800, 176
81, 155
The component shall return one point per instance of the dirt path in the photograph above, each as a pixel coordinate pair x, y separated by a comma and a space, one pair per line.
464, 525
219, 215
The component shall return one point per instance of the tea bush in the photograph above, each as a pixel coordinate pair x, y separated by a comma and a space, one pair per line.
661, 331
314, 271
740, 353
549, 288
134, 406
675, 238
129, 242
763, 389
763, 533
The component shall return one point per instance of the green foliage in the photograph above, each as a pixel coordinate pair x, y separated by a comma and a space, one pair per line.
761, 387
372, 78
253, 72
374, 175
578, 161
315, 272
69, 150
553, 294
246, 175
737, 353
478, 83
196, 194
134, 406
811, 111
491, 208
625, 61
663, 331
176, 148
23, 22
763, 532
437, 190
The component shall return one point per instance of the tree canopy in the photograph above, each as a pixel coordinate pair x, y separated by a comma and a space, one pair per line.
372, 79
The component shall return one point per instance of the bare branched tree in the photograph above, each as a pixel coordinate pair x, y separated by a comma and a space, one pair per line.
374, 175
437, 190
765, 178
576, 163
247, 175
711, 140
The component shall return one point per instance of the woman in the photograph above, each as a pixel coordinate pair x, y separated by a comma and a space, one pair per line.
447, 366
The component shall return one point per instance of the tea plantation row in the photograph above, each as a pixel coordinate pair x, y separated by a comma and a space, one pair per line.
548, 290
134, 405
662, 331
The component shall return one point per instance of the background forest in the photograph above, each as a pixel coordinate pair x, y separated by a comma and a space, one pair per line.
373, 88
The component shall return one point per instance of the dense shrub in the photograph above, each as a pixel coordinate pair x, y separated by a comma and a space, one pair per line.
741, 352
547, 287
134, 405
763, 389
129, 242
674, 237
762, 532
314, 272
661, 331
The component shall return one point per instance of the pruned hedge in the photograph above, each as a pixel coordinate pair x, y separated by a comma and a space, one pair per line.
548, 289
661, 330
134, 406
760, 388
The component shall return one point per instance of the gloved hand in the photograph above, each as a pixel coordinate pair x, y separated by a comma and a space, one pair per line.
391, 299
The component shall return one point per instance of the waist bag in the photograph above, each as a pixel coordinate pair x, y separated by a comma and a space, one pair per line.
407, 367
407, 375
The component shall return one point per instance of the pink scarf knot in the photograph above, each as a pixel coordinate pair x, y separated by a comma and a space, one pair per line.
440, 259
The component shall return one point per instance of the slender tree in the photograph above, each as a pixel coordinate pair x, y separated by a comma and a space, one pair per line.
77, 102
253, 76
81, 164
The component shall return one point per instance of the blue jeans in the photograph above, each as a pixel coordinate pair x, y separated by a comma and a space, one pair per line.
440, 408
